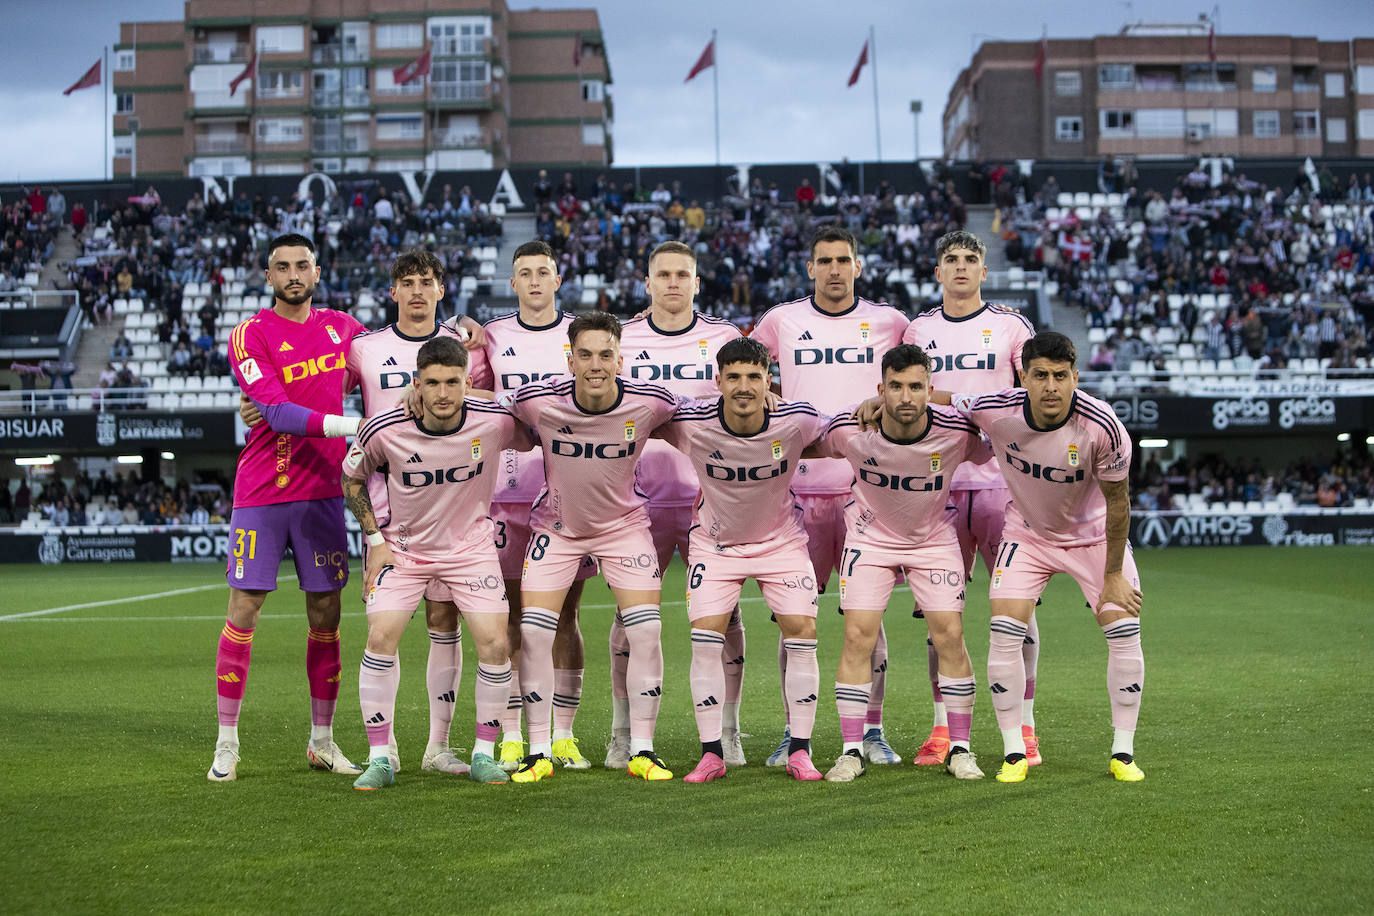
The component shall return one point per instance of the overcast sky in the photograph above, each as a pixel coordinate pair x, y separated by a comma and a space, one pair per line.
783, 68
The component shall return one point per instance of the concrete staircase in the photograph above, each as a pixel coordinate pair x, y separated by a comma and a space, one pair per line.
65, 249
516, 230
980, 217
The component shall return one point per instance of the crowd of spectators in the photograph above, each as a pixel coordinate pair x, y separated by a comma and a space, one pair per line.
28, 231
1334, 482
751, 248
1281, 274
118, 500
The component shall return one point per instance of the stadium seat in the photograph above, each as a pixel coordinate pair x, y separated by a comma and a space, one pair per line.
1065, 199
1097, 335
1186, 351
1082, 199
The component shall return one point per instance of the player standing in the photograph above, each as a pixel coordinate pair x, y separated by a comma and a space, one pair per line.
747, 524
591, 430
900, 526
675, 346
383, 363
1066, 458
529, 345
290, 360
438, 473
974, 348
825, 346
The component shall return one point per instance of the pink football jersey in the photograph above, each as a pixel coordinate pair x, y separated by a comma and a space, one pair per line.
684, 362
279, 361
832, 362
1053, 474
976, 354
383, 363
519, 353
590, 458
746, 494
439, 484
901, 487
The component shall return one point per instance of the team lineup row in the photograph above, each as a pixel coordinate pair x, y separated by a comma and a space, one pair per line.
740, 483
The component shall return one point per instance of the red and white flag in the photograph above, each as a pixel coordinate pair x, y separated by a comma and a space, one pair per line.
88, 79
1212, 43
247, 74
858, 67
1077, 248
1041, 55
412, 71
577, 50
705, 61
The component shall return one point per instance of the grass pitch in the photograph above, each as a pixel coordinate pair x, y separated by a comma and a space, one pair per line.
1255, 736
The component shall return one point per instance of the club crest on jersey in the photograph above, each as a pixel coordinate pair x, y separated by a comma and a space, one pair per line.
333, 335
997, 579
629, 430
476, 449
1073, 456
567, 350
842, 588
864, 332
777, 448
934, 462
987, 337
703, 347
238, 569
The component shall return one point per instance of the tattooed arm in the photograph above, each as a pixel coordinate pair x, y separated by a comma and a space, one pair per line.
378, 554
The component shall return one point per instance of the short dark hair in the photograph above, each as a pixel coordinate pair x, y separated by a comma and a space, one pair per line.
744, 350
960, 238
536, 247
594, 321
418, 261
834, 234
903, 356
1050, 345
291, 240
441, 351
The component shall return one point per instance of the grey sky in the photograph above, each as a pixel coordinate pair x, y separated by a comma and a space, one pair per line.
783, 68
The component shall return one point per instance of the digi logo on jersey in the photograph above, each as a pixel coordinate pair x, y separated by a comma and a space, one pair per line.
829, 356
316, 365
512, 380
913, 484
592, 449
683, 372
742, 472
441, 475
962, 361
1043, 472
398, 379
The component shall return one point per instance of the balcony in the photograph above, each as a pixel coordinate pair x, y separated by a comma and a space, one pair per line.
324, 145
326, 54
355, 98
221, 53
461, 92
413, 88
219, 99
464, 46
221, 144
455, 139
325, 98
355, 144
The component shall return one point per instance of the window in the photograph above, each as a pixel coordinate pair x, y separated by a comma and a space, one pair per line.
1335, 85
281, 84
124, 60
355, 41
452, 37
1159, 122
1264, 79
1305, 79
400, 35
400, 127
1335, 130
1116, 123
1209, 122
1116, 76
1209, 77
1364, 127
593, 135
1068, 130
124, 102
384, 82
593, 90
1068, 82
326, 165
1266, 123
123, 147
281, 130
280, 168
281, 39
1306, 124
1364, 79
